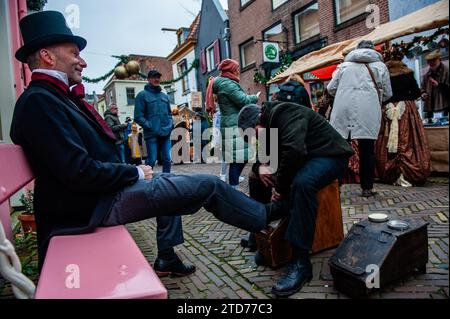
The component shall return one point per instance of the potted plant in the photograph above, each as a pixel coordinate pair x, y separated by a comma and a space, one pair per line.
27, 250
26, 218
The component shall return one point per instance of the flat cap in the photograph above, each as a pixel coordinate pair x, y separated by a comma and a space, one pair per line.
433, 55
153, 74
248, 116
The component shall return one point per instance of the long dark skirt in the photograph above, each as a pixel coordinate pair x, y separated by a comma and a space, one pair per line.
413, 156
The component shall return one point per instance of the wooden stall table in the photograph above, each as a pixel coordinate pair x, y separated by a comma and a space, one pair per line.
438, 143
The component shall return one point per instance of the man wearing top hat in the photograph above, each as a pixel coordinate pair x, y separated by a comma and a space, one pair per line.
435, 86
80, 183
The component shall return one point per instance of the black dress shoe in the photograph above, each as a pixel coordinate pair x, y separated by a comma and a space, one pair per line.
249, 242
368, 193
298, 272
277, 210
172, 267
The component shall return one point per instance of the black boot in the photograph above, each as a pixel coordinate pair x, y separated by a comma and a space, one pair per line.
173, 266
249, 242
297, 273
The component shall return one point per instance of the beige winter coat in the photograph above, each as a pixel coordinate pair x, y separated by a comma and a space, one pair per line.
357, 108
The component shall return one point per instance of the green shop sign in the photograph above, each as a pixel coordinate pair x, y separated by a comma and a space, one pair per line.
271, 52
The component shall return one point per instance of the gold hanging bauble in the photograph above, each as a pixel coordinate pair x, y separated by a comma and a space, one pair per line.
121, 72
133, 67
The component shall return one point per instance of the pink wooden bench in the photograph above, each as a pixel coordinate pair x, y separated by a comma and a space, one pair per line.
103, 264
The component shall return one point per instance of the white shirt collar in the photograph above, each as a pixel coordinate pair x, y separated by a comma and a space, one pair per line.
54, 73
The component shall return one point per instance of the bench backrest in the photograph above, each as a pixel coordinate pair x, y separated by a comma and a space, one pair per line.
15, 173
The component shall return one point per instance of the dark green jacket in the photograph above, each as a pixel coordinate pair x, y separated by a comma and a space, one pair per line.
231, 99
302, 134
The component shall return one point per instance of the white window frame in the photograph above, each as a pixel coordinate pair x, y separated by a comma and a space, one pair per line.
111, 97
244, 2
126, 94
278, 3
210, 61
185, 79
241, 49
337, 9
181, 37
298, 38
280, 25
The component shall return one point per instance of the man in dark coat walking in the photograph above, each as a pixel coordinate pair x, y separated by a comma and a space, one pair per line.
80, 183
311, 154
153, 113
112, 118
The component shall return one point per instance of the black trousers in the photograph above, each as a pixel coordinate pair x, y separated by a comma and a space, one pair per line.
366, 163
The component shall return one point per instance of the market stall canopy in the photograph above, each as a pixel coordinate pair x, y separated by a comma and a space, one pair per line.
428, 18
329, 55
325, 73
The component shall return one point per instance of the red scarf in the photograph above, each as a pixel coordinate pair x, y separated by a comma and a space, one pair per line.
77, 95
227, 69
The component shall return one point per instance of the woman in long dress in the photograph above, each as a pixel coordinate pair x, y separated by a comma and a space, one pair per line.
402, 152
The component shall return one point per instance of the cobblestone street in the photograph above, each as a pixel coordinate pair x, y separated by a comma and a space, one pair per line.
226, 270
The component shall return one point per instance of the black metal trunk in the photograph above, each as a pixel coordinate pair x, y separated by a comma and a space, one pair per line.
374, 247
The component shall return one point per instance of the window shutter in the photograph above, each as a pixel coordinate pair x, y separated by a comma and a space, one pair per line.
203, 61
217, 52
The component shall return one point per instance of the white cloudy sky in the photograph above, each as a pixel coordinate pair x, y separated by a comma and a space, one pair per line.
115, 27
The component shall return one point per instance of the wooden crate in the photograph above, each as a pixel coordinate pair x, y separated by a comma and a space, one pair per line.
329, 230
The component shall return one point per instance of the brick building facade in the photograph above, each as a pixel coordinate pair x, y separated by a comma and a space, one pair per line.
298, 26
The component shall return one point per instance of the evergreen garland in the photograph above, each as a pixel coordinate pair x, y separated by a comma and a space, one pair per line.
36, 5
101, 78
285, 63
414, 48
123, 60
410, 50
193, 65
258, 77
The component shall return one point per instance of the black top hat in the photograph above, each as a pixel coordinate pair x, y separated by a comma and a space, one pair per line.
153, 74
42, 29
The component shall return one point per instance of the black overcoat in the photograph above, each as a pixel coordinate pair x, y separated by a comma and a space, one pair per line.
74, 162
